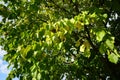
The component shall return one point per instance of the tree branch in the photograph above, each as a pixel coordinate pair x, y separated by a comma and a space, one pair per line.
62, 8
89, 38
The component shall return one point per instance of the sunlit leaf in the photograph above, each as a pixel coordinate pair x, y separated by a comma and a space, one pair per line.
100, 35
60, 45
25, 51
105, 15
113, 58
60, 39
82, 48
110, 44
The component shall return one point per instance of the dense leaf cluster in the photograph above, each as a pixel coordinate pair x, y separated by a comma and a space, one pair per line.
56, 39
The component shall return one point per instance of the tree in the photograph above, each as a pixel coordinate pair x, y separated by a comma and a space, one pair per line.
71, 39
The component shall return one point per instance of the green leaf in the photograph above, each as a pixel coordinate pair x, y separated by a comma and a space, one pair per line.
24, 1
60, 45
110, 44
102, 48
70, 24
72, 20
99, 35
77, 43
93, 15
38, 76
34, 78
24, 51
41, 33
32, 68
116, 52
74, 1
113, 58
32, 1
87, 22
45, 39
87, 52
105, 15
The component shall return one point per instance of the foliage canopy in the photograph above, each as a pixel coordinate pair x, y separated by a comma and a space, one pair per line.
56, 39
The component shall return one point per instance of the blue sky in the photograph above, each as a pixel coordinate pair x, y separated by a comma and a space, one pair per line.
3, 66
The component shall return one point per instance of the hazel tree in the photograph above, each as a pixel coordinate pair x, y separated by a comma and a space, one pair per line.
51, 39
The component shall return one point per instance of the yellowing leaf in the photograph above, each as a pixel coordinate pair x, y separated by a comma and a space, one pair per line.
25, 51
64, 31
77, 43
79, 26
87, 45
82, 48
87, 49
